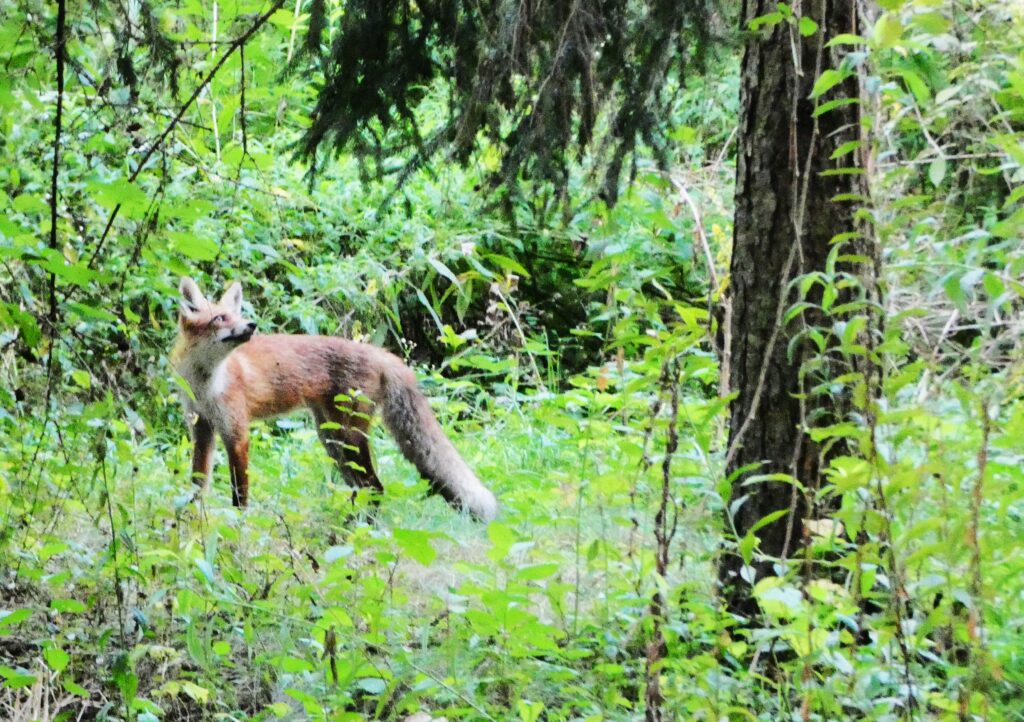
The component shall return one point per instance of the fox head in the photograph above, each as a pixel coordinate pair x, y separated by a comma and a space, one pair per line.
210, 331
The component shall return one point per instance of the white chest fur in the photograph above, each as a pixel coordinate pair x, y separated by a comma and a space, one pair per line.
211, 390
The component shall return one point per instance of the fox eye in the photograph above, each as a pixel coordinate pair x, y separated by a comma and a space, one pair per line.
218, 319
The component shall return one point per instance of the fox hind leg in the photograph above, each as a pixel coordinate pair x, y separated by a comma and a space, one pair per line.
345, 436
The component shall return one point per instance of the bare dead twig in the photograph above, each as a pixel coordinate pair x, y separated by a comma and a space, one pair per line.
714, 287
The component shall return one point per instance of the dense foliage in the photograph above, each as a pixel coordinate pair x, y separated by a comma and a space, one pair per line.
571, 356
526, 83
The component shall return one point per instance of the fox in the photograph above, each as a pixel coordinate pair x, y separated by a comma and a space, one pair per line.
238, 376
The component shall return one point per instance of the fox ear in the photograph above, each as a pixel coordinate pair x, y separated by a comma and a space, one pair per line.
232, 297
192, 299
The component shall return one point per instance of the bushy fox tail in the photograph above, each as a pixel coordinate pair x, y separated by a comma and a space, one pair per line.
408, 416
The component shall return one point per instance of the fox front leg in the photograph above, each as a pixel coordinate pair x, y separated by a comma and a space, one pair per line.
238, 460
202, 454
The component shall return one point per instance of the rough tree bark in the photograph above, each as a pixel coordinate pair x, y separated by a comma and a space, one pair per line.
786, 220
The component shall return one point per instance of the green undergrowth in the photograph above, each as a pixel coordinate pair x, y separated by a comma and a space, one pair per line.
128, 597
305, 605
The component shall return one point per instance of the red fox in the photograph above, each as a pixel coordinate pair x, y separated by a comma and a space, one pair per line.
237, 377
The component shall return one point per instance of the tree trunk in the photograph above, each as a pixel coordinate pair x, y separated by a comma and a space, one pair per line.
786, 220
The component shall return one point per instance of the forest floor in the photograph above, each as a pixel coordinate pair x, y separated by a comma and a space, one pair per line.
303, 604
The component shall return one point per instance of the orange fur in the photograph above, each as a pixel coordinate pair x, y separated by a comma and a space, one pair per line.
237, 378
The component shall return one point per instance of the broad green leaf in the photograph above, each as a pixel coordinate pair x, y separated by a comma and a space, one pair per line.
56, 658
807, 26
920, 90
501, 538
372, 685
193, 246
91, 312
68, 606
15, 679
934, 23
74, 688
536, 571
828, 80
442, 269
888, 31
845, 39
111, 193
847, 147
415, 544
14, 616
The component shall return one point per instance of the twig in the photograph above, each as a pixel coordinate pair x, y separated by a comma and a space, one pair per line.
241, 107
975, 629
295, 30
235, 45
715, 287
209, 87
59, 52
522, 334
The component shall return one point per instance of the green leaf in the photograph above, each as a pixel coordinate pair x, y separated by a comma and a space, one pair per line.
15, 679
507, 264
937, 171
416, 544
197, 693
30, 203
372, 685
75, 688
124, 677
292, 665
443, 270
501, 538
768, 20
56, 658
193, 246
828, 80
684, 134
993, 285
778, 599
77, 274
12, 617
278, 709
91, 312
846, 39
746, 547
110, 193
68, 606
536, 571
888, 31
807, 26
847, 147
956, 294
833, 104
768, 519
920, 90
934, 23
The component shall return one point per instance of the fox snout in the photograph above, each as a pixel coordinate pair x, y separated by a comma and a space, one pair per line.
241, 333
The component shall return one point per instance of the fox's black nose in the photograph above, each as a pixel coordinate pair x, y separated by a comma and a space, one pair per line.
251, 326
